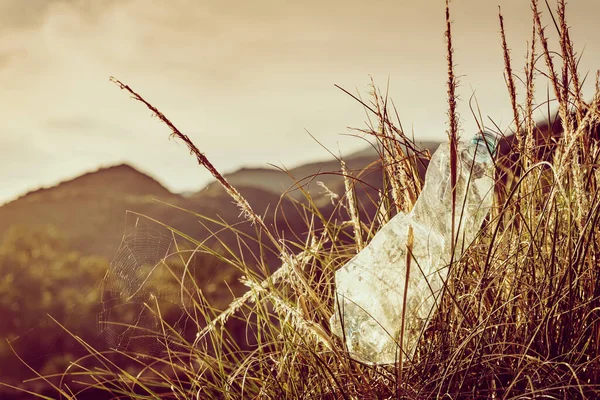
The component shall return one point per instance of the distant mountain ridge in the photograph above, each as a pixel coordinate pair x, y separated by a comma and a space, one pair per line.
91, 209
327, 172
120, 178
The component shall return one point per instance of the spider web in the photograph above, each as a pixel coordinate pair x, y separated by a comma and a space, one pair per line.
148, 292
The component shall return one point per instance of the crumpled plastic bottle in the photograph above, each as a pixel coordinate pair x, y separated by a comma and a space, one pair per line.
370, 287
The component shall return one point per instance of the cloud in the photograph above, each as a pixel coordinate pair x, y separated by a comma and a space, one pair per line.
243, 79
33, 13
83, 124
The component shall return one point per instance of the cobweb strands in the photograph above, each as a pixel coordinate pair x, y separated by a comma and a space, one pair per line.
149, 291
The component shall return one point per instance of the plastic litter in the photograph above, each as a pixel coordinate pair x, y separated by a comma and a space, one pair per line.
370, 287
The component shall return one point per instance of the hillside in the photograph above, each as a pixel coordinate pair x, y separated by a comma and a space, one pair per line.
122, 178
308, 175
90, 210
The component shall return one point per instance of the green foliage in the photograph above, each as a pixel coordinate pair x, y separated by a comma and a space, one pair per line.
40, 276
48, 293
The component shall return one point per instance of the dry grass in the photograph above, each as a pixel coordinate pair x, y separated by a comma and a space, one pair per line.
520, 317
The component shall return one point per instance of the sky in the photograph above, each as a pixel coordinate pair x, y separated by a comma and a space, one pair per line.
247, 81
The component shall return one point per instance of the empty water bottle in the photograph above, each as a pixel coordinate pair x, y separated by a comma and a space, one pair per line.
371, 286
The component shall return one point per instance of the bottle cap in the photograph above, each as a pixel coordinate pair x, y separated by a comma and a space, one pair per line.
483, 146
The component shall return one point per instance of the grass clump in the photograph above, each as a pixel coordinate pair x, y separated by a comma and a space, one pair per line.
520, 316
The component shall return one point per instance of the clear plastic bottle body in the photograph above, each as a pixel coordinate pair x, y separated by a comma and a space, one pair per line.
370, 287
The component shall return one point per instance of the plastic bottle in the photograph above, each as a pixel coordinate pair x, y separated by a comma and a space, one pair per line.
370, 287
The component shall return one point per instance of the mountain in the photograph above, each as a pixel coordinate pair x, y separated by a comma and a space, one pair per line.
90, 210
118, 179
309, 176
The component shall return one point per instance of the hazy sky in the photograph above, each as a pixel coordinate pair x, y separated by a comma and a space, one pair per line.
243, 79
